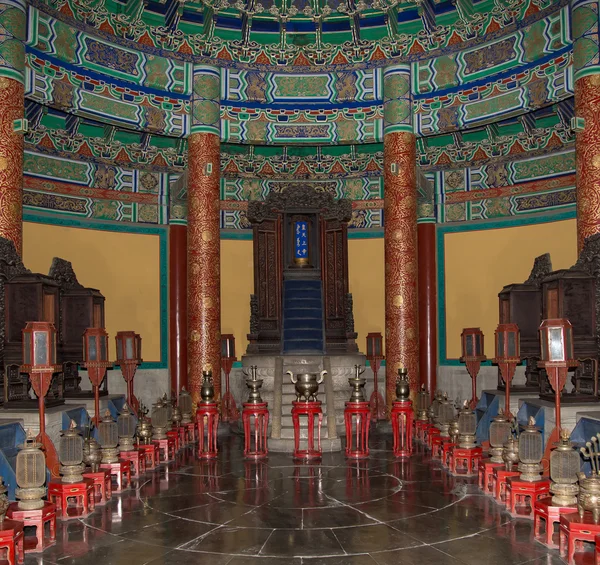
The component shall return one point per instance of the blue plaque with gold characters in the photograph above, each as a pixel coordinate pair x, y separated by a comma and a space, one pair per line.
301, 243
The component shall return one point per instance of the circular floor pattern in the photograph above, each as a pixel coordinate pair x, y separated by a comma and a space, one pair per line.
236, 512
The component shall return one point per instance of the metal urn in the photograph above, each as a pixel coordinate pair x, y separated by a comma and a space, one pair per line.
185, 405
454, 431
510, 453
3, 501
207, 392
358, 384
565, 465
422, 403
531, 451
144, 431
307, 385
254, 384
402, 386
467, 425
445, 415
70, 451
500, 430
31, 475
589, 496
177, 417
92, 456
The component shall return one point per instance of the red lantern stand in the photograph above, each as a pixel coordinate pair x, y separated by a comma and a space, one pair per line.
38, 519
312, 411
11, 541
95, 351
472, 348
207, 419
121, 472
549, 515
375, 357
229, 410
129, 356
508, 356
357, 447
102, 485
62, 494
573, 530
402, 427
500, 475
447, 450
433, 435
40, 376
151, 454
257, 449
486, 473
137, 461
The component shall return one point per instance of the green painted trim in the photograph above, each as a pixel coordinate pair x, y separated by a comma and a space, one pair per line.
443, 229
237, 365
365, 234
240, 235
122, 227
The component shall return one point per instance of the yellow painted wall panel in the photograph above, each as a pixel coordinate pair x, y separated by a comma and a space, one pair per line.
125, 267
479, 263
237, 284
366, 282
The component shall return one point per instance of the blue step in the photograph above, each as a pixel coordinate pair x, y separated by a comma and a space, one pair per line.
302, 316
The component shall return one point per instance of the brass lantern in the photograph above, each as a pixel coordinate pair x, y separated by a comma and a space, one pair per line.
70, 453
31, 475
531, 451
159, 420
422, 403
185, 405
565, 465
169, 406
435, 405
108, 437
500, 430
126, 429
467, 427
446, 414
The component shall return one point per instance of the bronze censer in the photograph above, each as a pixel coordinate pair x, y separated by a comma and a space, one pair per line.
307, 385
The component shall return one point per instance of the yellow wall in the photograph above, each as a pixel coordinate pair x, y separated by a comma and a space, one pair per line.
237, 284
123, 266
366, 281
479, 263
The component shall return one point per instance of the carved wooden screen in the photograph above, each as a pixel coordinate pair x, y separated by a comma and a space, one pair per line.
335, 276
267, 273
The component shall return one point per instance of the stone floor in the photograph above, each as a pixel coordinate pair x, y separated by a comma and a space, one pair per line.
235, 512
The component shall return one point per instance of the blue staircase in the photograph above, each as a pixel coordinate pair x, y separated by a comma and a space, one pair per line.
302, 316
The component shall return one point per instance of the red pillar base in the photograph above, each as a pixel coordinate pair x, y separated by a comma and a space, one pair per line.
357, 446
402, 428
312, 411
207, 418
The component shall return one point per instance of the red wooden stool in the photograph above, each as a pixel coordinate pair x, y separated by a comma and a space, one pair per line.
312, 411
499, 477
597, 551
431, 433
102, 485
37, 518
72, 500
486, 469
436, 447
465, 461
420, 429
166, 449
174, 435
518, 492
257, 449
207, 418
447, 448
401, 417
361, 411
11, 542
573, 531
190, 430
121, 472
136, 459
550, 515
151, 454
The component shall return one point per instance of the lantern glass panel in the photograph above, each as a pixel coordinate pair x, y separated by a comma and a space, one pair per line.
531, 447
467, 423
159, 416
556, 344
185, 402
126, 425
129, 348
499, 433
119, 348
512, 344
53, 349
569, 353
108, 435
138, 346
93, 349
103, 348
544, 345
423, 400
370, 347
31, 468
71, 449
27, 349
500, 348
564, 466
478, 347
469, 344
40, 348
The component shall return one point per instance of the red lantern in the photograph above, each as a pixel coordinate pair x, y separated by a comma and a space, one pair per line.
508, 355
375, 357
95, 360
39, 360
558, 356
472, 356
229, 411
129, 356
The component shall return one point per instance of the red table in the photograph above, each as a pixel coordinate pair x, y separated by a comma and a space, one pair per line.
499, 477
83, 493
37, 518
121, 471
11, 539
420, 429
190, 430
257, 449
137, 460
207, 418
486, 469
312, 411
151, 454
174, 435
165, 448
447, 448
518, 492
357, 446
575, 529
102, 484
470, 459
550, 515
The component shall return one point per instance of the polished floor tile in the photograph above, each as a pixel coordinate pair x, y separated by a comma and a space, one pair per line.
381, 511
